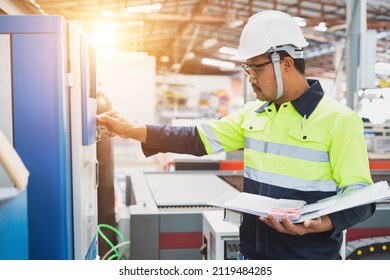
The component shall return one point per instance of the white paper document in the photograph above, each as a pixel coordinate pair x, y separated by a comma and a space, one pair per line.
297, 210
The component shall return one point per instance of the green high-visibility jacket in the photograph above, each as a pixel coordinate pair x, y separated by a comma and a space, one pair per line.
307, 149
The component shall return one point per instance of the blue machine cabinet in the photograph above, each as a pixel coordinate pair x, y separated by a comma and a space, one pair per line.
13, 228
48, 134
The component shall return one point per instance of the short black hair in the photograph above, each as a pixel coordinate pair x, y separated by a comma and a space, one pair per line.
299, 63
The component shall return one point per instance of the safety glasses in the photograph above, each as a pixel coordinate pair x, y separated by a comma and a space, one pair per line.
253, 70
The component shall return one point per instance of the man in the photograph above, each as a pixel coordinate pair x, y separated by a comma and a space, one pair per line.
298, 144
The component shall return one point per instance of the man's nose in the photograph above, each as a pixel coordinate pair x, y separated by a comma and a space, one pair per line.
252, 80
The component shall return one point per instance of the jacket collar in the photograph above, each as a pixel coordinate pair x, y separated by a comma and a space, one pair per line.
307, 102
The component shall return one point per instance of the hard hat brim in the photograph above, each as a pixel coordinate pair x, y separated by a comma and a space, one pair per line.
239, 57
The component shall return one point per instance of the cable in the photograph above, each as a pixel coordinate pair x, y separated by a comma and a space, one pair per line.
121, 256
115, 249
122, 239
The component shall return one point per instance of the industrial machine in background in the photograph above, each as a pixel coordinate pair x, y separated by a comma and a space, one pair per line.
166, 216
221, 239
163, 216
371, 238
50, 93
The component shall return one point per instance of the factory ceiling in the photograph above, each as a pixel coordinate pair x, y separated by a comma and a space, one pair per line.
180, 33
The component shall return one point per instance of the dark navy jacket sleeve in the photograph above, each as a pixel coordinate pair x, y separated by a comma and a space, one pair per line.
174, 139
350, 217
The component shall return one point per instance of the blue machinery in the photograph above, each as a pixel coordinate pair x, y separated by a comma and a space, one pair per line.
48, 111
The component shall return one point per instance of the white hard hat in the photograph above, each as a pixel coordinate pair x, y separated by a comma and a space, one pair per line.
267, 30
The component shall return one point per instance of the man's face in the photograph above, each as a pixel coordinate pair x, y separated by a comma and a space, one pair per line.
260, 71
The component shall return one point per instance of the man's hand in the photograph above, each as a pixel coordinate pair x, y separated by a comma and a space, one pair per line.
320, 224
118, 125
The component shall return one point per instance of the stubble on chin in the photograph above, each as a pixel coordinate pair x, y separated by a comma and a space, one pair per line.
260, 96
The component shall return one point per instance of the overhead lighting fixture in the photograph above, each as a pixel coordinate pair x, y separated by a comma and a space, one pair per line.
300, 21
321, 27
164, 59
176, 66
210, 43
136, 23
217, 63
228, 50
144, 8
189, 56
235, 23
107, 13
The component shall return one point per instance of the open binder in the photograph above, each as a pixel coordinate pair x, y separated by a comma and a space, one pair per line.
298, 210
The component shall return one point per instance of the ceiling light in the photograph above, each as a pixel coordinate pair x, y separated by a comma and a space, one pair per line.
217, 63
107, 13
189, 56
321, 27
144, 8
136, 23
209, 43
235, 23
300, 21
176, 66
228, 50
164, 59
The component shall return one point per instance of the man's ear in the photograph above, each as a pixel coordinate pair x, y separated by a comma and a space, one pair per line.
288, 64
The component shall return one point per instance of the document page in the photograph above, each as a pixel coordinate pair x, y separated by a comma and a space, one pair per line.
297, 210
